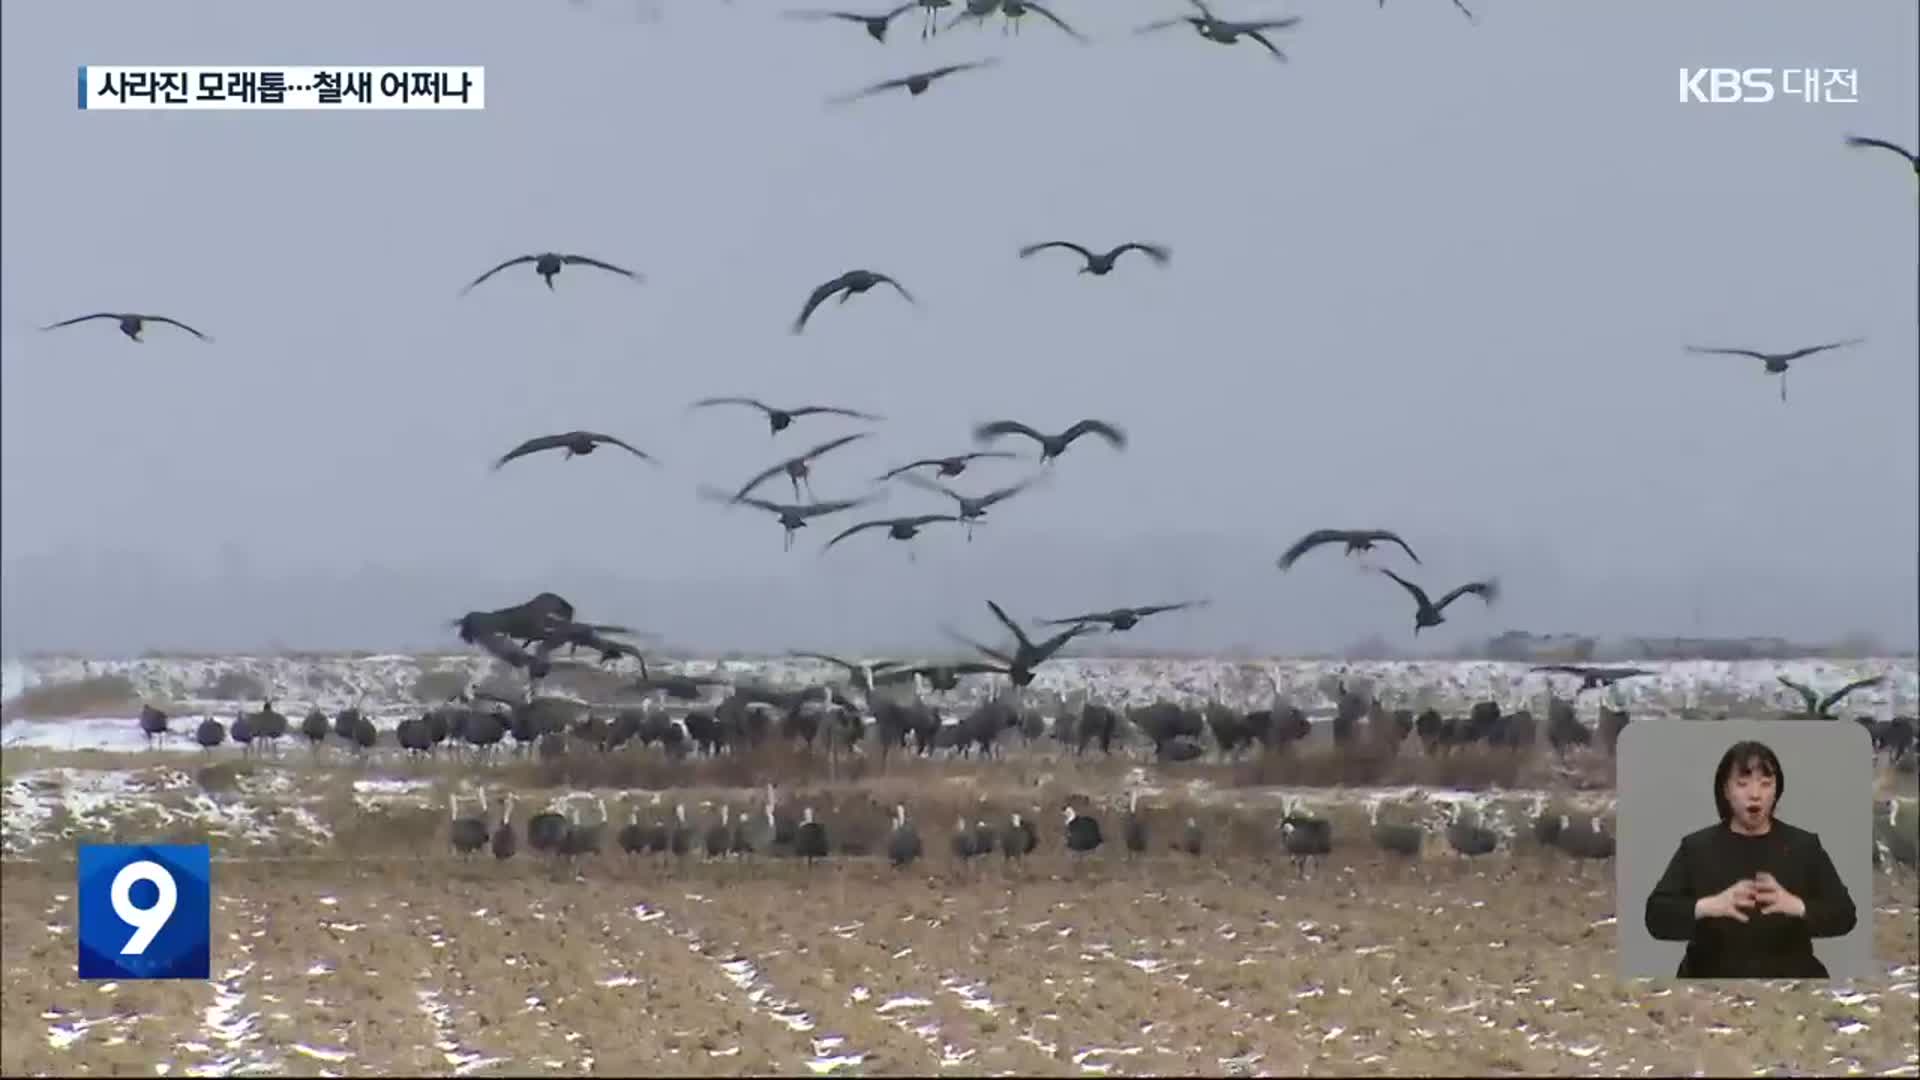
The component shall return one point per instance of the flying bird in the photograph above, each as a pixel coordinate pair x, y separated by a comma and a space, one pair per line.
792, 516
1456, 3
1226, 31
850, 284
1428, 613
943, 466
798, 467
780, 419
865, 674
978, 10
972, 507
876, 24
1777, 363
939, 676
1863, 141
1014, 10
1101, 265
1593, 678
1125, 618
1052, 446
900, 528
548, 265
1027, 655
130, 325
916, 83
1355, 539
1822, 707
575, 443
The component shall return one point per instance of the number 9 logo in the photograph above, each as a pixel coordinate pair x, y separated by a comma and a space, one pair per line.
148, 921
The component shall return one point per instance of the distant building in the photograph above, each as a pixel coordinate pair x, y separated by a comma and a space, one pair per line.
1519, 646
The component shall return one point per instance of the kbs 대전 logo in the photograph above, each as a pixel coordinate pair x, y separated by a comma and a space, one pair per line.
146, 911
1757, 86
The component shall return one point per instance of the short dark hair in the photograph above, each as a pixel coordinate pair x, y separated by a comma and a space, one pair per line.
1747, 755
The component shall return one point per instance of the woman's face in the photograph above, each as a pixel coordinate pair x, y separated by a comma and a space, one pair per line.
1750, 791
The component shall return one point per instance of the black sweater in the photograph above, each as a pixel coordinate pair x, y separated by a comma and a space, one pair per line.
1775, 946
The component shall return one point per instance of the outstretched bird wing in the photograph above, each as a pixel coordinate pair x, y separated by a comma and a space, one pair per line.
876, 88
1488, 590
1162, 24
1806, 693
82, 318
995, 654
949, 69
1152, 251
1068, 244
1391, 537
832, 410
532, 446
1057, 21
1019, 635
175, 322
1858, 684
817, 297
1155, 609
861, 527
1004, 493
1861, 140
582, 260
1727, 352
891, 473
1811, 349
515, 261
754, 402
759, 478
1089, 617
1307, 543
641, 454
935, 486
1419, 594
1254, 33
897, 287
996, 428
1254, 25
1046, 649
852, 668
1564, 669
1114, 436
830, 444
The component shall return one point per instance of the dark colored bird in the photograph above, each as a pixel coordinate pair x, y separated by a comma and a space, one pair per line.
1052, 446
548, 265
153, 723
1225, 31
780, 419
1125, 618
1882, 144
797, 467
972, 507
504, 842
130, 325
1018, 840
469, 834
1135, 830
1428, 613
863, 674
977, 10
508, 652
810, 839
1306, 837
575, 443
903, 845
1777, 363
1193, 840
521, 622
1014, 10
792, 516
1592, 678
1355, 539
876, 24
1467, 836
848, 285
916, 83
1101, 265
944, 466
1456, 3
1083, 833
901, 528
938, 676
1026, 655
1823, 707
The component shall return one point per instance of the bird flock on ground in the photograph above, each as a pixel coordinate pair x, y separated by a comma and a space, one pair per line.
526, 636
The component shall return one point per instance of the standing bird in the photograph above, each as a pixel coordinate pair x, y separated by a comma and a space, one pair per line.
916, 85
1882, 144
848, 285
1820, 707
901, 528
903, 845
876, 24
1225, 31
780, 419
943, 466
469, 834
1135, 831
1083, 833
1355, 539
153, 723
549, 264
575, 443
1101, 265
792, 516
1125, 618
1777, 363
1018, 840
810, 839
1428, 613
1307, 838
130, 325
972, 507
504, 843
798, 467
1052, 446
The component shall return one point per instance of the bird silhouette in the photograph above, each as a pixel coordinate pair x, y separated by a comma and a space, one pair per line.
876, 24
781, 419
575, 443
1593, 678
792, 516
863, 674
131, 325
943, 466
1226, 31
1823, 707
900, 528
1100, 265
850, 284
1428, 612
1026, 655
1015, 10
1355, 539
1777, 363
1052, 446
1882, 144
916, 83
971, 507
798, 467
549, 264
977, 10
1125, 618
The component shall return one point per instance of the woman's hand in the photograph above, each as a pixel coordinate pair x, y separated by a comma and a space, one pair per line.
1775, 899
1729, 903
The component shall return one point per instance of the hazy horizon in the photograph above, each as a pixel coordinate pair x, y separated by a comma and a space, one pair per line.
1428, 275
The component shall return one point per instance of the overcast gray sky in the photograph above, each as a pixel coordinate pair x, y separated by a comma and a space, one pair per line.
1428, 275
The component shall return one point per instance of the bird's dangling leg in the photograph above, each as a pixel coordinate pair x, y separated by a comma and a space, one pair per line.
1783, 386
786, 542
